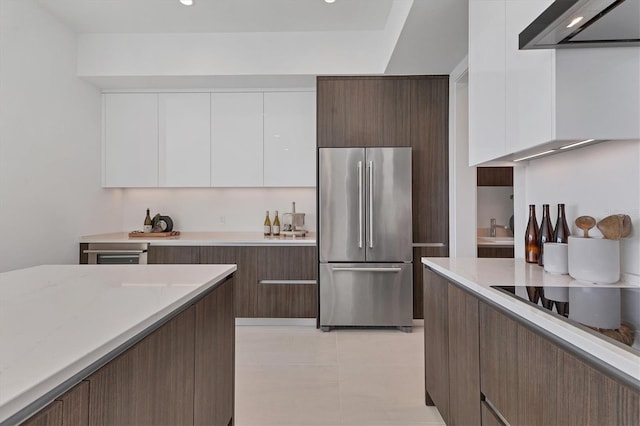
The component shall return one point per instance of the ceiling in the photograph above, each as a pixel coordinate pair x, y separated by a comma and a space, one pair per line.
433, 38
169, 16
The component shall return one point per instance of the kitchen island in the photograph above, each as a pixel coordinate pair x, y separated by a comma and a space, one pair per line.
528, 365
116, 327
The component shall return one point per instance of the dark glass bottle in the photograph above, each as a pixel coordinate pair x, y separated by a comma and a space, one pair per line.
545, 234
561, 232
531, 237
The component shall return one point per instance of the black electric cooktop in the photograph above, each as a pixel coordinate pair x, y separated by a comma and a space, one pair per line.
595, 309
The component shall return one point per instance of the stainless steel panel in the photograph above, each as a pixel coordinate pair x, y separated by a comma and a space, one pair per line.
117, 253
341, 205
389, 227
366, 294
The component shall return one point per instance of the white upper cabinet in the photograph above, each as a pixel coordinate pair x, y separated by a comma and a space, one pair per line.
530, 81
130, 140
487, 89
236, 139
185, 139
196, 139
289, 139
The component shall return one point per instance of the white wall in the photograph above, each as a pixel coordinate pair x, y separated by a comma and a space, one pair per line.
49, 143
201, 209
462, 178
598, 180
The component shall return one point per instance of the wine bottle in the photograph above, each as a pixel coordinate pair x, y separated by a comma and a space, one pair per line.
561, 232
531, 237
267, 225
275, 229
148, 226
545, 234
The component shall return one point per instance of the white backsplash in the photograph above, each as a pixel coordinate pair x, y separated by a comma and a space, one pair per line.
217, 209
598, 181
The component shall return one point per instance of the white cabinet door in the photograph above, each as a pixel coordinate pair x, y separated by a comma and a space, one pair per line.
130, 140
530, 75
236, 139
289, 139
185, 139
487, 91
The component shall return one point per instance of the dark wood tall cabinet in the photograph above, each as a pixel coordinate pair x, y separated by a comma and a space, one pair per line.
398, 111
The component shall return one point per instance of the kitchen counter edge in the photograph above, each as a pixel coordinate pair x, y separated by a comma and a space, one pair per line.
26, 404
205, 239
477, 275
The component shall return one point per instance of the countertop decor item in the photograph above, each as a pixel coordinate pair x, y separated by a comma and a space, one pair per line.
615, 226
594, 260
585, 223
138, 234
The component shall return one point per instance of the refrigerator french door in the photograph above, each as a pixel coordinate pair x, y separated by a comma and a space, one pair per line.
365, 237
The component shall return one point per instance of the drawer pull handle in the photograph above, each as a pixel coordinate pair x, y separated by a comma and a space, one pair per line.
307, 282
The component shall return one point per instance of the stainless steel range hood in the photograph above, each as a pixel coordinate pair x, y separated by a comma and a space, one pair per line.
584, 23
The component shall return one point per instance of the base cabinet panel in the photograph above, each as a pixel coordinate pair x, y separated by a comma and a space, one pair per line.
245, 291
287, 282
173, 255
483, 366
50, 416
214, 352
151, 383
436, 342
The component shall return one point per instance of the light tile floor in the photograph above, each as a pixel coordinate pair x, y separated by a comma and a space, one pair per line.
299, 376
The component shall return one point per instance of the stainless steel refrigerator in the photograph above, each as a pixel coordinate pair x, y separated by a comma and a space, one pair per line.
365, 237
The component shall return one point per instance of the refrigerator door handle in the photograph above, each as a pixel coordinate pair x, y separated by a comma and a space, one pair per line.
352, 269
370, 204
360, 194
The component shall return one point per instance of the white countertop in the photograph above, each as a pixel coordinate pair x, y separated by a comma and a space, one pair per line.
55, 321
478, 275
206, 239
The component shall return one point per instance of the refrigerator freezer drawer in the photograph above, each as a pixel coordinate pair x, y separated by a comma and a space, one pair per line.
366, 294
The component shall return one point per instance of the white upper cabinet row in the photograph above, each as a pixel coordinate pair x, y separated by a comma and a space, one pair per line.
510, 90
235, 139
520, 99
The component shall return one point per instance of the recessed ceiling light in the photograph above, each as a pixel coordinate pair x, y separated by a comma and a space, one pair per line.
575, 21
187, 2
329, 1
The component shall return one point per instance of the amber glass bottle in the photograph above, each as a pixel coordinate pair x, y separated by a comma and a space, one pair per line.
531, 237
545, 233
561, 232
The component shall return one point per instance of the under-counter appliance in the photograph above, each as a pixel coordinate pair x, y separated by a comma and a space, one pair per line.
365, 237
116, 253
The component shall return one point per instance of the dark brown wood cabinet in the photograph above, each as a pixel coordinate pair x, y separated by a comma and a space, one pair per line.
495, 252
152, 382
452, 371
214, 352
494, 176
182, 373
160, 254
483, 365
287, 282
436, 343
530, 380
588, 397
362, 112
408, 111
50, 416
246, 291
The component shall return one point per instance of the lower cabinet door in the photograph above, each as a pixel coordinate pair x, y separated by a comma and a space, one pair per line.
150, 384
287, 282
436, 343
50, 416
